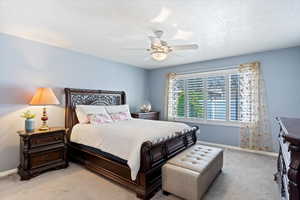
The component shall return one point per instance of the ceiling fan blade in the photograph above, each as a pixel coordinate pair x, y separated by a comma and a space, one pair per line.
176, 55
147, 59
135, 49
184, 47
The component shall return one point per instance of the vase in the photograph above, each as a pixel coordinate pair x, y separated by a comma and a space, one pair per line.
29, 125
145, 108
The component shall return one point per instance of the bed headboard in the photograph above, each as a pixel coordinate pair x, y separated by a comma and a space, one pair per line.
88, 97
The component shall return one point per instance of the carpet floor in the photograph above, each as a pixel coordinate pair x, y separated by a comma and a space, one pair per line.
245, 176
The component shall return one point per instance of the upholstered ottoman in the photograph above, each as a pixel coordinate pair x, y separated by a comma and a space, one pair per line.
190, 173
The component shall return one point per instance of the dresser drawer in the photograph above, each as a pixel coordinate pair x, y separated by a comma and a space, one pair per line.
47, 139
41, 159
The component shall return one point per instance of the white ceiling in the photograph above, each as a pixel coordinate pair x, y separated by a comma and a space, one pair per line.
107, 28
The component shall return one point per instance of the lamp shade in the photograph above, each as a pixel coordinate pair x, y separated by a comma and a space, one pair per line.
159, 55
44, 96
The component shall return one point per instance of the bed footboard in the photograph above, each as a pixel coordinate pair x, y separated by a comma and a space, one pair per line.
154, 155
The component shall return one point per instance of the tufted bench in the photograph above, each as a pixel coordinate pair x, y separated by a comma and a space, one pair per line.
190, 173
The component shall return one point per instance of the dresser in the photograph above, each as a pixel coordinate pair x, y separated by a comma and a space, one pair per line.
41, 151
288, 175
146, 115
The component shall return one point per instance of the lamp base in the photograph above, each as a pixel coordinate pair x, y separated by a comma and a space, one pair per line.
44, 126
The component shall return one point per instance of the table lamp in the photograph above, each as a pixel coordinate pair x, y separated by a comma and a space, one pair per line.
44, 96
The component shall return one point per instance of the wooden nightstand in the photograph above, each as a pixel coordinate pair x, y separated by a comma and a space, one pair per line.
146, 115
41, 151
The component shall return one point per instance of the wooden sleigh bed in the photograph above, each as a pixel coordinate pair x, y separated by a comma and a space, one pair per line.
153, 156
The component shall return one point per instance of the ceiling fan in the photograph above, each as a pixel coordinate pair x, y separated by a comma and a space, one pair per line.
160, 49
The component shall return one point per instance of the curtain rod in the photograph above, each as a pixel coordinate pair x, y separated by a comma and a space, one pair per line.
203, 70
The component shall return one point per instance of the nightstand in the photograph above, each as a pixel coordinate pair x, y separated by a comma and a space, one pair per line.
41, 151
146, 115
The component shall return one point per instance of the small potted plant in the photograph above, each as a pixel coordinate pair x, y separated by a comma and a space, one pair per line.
29, 120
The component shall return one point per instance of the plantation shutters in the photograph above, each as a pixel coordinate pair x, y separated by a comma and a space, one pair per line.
176, 108
195, 98
210, 96
216, 98
234, 82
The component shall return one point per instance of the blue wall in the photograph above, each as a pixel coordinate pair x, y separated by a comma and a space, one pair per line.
26, 65
281, 72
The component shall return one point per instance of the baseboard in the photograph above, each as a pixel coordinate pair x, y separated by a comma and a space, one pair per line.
7, 173
241, 149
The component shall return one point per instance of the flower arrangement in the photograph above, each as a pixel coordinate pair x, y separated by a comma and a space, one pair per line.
29, 120
28, 115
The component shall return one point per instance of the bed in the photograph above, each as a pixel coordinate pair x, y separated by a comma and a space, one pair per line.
153, 154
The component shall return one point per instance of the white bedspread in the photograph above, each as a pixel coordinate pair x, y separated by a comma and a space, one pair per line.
125, 138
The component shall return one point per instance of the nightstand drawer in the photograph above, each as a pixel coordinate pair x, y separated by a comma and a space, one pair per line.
47, 139
148, 115
45, 158
41, 151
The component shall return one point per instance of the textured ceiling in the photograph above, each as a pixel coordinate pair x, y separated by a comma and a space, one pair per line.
107, 28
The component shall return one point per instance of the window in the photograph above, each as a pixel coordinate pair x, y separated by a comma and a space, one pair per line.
216, 98
234, 99
205, 97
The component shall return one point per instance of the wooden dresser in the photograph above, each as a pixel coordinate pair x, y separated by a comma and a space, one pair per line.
288, 175
41, 151
146, 115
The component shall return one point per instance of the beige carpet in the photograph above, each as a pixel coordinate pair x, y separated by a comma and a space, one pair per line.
245, 176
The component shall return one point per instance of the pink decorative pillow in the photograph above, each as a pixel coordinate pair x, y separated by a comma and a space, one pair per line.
99, 118
82, 112
120, 116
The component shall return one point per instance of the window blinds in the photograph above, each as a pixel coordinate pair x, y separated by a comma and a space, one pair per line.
216, 98
212, 96
195, 98
234, 96
176, 101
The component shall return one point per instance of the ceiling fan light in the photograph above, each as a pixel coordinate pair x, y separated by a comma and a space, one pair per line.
159, 55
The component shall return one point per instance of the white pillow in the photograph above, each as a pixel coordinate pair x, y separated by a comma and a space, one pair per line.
82, 112
119, 109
